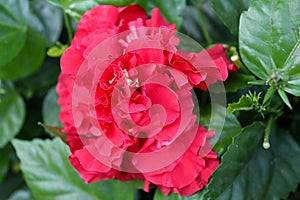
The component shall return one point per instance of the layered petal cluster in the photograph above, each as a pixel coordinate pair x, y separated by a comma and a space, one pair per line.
132, 124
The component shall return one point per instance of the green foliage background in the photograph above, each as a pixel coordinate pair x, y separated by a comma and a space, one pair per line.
263, 97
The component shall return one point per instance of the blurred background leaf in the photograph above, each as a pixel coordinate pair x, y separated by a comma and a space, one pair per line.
51, 109
13, 34
203, 25
12, 114
26, 27
229, 11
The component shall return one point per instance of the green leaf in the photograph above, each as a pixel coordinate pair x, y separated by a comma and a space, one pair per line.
35, 27
77, 7
257, 82
245, 103
12, 115
248, 171
21, 195
229, 11
292, 89
192, 27
231, 128
269, 95
74, 8
116, 2
49, 174
27, 61
57, 50
292, 66
39, 20
54, 131
51, 109
170, 9
238, 81
160, 196
284, 98
228, 129
12, 34
268, 33
135, 184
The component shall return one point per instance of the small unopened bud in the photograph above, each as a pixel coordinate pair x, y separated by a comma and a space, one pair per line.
234, 58
266, 145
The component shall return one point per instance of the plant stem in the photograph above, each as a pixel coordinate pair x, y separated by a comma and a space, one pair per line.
68, 26
204, 27
266, 143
